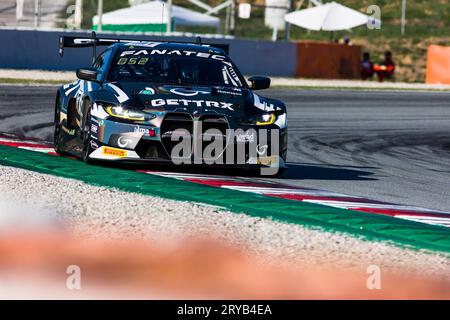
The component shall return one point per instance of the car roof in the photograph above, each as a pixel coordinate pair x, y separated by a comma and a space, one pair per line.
170, 46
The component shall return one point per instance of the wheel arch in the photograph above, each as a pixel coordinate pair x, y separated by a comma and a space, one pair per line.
87, 100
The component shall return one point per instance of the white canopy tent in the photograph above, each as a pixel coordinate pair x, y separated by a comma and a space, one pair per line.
331, 16
152, 16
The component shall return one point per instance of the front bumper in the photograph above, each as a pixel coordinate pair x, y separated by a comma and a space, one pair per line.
108, 153
128, 142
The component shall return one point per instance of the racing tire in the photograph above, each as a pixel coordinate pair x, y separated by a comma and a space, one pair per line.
86, 135
57, 130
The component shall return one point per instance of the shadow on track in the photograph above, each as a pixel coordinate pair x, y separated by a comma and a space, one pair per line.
187, 169
321, 172
294, 171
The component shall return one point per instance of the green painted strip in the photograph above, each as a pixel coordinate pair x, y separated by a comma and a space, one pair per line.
369, 226
155, 27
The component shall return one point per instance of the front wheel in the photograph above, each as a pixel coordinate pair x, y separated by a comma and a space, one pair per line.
57, 130
86, 135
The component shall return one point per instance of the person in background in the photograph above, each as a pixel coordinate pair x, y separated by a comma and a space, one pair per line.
347, 41
366, 67
386, 68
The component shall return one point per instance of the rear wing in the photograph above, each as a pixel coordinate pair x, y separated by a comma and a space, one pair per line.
94, 42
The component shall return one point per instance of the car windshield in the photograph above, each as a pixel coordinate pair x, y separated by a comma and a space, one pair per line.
176, 69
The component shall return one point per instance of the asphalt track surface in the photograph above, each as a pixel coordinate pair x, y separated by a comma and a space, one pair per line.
387, 146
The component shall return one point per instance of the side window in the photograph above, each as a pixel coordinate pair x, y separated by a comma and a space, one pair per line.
101, 62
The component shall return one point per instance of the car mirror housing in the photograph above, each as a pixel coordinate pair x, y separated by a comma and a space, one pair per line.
259, 82
87, 74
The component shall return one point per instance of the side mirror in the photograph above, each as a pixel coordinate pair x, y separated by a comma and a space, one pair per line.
87, 74
259, 82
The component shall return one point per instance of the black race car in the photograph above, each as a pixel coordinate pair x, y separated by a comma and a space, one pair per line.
167, 102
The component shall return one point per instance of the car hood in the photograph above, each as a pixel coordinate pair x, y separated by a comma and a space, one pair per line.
176, 98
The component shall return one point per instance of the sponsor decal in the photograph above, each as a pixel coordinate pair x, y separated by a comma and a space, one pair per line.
94, 128
205, 55
94, 144
233, 93
108, 151
186, 92
123, 141
131, 44
264, 105
191, 103
147, 91
261, 149
230, 75
268, 161
147, 132
246, 137
139, 61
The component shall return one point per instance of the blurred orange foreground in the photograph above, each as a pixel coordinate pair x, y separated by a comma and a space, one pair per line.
201, 269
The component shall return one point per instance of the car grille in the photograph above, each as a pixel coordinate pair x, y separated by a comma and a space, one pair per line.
176, 121
214, 122
171, 123
220, 124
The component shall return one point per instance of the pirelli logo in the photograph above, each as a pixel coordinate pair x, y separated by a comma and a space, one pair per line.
113, 152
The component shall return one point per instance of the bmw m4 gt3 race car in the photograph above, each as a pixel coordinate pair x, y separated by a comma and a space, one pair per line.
167, 102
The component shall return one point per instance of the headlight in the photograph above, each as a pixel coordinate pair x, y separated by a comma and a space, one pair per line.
127, 114
265, 119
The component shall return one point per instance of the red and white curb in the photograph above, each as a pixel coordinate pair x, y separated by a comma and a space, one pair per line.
27, 144
278, 190
338, 200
